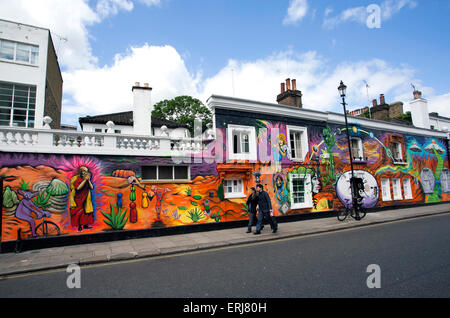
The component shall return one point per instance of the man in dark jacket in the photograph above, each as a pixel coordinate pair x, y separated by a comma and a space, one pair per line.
264, 210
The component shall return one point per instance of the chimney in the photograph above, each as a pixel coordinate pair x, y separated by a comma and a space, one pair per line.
290, 96
374, 103
417, 94
419, 111
142, 109
382, 100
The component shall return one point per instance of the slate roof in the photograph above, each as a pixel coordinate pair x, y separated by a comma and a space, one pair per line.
126, 118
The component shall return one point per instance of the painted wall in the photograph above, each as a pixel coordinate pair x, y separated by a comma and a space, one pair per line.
107, 193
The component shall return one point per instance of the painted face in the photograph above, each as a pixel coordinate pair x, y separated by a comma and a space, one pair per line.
83, 171
315, 185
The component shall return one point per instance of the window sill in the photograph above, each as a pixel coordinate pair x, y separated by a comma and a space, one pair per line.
235, 196
18, 63
358, 161
400, 163
165, 181
298, 206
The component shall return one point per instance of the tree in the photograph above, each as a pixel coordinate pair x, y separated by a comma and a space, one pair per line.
183, 110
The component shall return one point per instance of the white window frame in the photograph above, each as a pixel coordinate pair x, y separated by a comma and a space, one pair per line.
233, 195
400, 151
30, 53
397, 189
360, 149
407, 189
388, 197
303, 142
251, 155
173, 173
308, 193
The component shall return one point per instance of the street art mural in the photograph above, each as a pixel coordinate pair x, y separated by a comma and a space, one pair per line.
50, 195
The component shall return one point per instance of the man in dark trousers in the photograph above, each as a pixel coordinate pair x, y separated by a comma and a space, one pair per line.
264, 210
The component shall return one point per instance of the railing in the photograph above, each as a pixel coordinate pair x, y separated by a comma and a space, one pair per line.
13, 139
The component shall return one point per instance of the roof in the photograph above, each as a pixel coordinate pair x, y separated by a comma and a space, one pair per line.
436, 115
126, 119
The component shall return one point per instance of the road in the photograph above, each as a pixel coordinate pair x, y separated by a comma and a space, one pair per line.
413, 257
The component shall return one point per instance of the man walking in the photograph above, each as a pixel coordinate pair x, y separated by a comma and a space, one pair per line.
264, 210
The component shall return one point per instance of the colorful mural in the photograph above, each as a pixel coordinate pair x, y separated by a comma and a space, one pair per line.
82, 194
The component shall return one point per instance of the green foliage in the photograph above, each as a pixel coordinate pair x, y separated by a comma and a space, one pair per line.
182, 208
24, 185
196, 215
9, 198
41, 200
197, 197
188, 191
406, 117
183, 110
116, 220
194, 203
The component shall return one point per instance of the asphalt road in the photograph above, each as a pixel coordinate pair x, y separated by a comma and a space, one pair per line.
413, 256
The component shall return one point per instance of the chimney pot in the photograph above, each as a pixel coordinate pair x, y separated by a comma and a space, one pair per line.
374, 103
417, 94
137, 84
288, 84
145, 84
294, 84
283, 88
382, 100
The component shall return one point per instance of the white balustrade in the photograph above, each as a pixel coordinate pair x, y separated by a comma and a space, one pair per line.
14, 139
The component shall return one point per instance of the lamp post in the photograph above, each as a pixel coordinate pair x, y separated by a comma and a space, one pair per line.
342, 91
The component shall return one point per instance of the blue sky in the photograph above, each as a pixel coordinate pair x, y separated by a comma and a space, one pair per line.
200, 47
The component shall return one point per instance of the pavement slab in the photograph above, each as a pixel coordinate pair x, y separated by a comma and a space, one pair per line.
60, 257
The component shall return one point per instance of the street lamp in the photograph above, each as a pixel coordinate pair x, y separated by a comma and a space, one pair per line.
342, 91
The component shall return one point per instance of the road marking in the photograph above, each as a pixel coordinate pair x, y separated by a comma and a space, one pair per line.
221, 248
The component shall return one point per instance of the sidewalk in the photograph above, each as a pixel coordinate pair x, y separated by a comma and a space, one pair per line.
61, 257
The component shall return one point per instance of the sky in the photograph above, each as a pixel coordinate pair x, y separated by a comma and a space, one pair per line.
244, 49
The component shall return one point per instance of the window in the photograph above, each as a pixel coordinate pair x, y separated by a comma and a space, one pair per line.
357, 149
386, 189
241, 142
167, 173
17, 105
407, 189
234, 188
397, 187
397, 151
301, 194
19, 52
445, 180
298, 142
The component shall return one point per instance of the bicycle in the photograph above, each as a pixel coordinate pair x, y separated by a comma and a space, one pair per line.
47, 228
343, 213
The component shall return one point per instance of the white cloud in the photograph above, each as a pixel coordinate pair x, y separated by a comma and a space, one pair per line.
69, 19
297, 11
359, 14
108, 89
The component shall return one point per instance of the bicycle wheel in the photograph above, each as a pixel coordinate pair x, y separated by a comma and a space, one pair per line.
47, 228
342, 214
361, 213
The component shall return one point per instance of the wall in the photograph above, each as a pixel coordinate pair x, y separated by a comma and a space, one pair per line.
21, 73
120, 200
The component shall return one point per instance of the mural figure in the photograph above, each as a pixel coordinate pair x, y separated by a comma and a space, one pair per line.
81, 207
26, 207
159, 193
280, 151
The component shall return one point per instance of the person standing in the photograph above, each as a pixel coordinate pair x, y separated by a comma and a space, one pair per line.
252, 202
264, 210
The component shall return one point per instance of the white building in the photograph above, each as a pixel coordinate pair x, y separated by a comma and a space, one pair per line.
135, 122
30, 77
